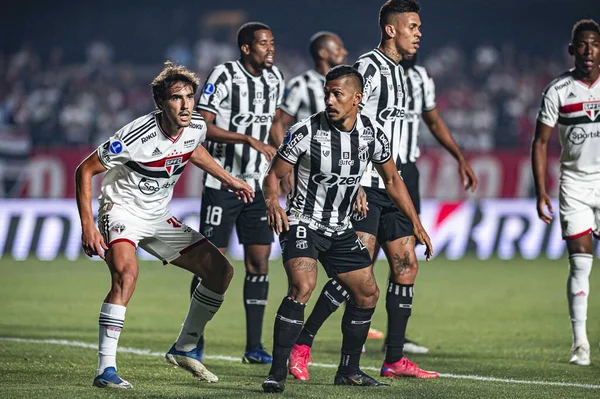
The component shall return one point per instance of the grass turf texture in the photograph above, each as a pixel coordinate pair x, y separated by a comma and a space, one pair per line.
493, 318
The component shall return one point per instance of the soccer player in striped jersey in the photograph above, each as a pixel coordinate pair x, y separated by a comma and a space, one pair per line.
143, 161
238, 102
573, 101
328, 154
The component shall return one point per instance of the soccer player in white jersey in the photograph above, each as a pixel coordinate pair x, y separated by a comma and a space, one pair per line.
143, 161
573, 101
238, 102
328, 154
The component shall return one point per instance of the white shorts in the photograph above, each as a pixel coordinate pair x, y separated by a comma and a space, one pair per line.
166, 238
579, 211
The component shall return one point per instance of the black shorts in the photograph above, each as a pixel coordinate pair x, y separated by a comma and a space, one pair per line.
383, 219
338, 254
220, 210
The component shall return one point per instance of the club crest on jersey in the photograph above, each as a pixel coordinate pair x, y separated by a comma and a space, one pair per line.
592, 109
172, 164
363, 153
118, 228
302, 244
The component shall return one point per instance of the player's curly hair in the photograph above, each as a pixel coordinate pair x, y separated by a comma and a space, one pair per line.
392, 7
583, 25
345, 70
170, 74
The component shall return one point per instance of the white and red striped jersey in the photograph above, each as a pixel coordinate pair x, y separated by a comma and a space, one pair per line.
575, 106
144, 163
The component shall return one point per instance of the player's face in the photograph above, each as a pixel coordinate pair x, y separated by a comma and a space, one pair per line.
408, 35
262, 49
586, 51
178, 104
336, 52
341, 98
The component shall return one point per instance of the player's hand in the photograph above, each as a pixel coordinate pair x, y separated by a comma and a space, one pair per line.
241, 189
423, 238
361, 206
266, 149
276, 217
93, 242
543, 200
467, 176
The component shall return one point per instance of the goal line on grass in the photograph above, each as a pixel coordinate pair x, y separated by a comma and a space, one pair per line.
147, 352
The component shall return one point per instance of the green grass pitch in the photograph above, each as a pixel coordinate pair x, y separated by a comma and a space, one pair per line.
504, 321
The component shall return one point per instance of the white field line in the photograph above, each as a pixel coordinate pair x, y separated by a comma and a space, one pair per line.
146, 352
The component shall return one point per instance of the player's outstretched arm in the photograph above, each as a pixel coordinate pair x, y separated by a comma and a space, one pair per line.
91, 239
215, 133
396, 189
539, 160
442, 134
276, 216
202, 159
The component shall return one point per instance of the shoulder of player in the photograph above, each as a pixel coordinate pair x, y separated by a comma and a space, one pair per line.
559, 83
422, 72
367, 59
297, 80
138, 128
275, 71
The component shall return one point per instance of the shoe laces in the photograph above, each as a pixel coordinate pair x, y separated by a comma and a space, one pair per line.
304, 354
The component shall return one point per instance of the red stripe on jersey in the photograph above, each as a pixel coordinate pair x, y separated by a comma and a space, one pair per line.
569, 108
161, 162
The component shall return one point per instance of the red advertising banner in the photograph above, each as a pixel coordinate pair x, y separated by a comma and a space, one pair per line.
501, 175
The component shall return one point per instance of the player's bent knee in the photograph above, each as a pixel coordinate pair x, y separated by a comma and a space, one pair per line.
301, 291
367, 300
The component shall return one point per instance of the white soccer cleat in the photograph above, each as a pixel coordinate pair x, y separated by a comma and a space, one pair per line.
414, 348
189, 361
580, 355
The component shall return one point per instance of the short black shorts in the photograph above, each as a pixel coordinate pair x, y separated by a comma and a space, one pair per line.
338, 254
383, 219
220, 210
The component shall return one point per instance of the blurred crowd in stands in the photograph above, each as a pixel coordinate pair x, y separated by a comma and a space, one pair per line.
488, 96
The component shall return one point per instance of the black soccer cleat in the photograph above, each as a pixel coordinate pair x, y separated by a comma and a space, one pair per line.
271, 385
359, 379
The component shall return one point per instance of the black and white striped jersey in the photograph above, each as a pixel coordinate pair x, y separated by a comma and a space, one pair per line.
328, 166
144, 163
304, 95
420, 97
384, 100
244, 104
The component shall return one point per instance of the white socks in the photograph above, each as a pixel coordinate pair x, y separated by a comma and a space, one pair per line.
111, 322
578, 289
203, 306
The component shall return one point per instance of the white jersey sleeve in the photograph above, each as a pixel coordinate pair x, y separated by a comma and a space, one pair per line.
548, 113
382, 151
428, 88
216, 90
295, 143
371, 79
294, 96
114, 152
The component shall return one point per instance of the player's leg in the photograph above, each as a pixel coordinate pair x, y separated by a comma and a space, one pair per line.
402, 260
331, 297
121, 232
350, 261
299, 252
256, 236
577, 221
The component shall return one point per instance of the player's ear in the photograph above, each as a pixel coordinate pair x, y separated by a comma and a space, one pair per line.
390, 30
571, 49
322, 53
357, 98
245, 49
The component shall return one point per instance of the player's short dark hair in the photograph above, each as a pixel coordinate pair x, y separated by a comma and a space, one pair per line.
393, 7
583, 25
343, 71
245, 34
170, 74
317, 41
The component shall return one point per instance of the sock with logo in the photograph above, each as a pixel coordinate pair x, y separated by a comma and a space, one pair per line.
355, 328
110, 323
256, 290
578, 289
398, 303
203, 306
288, 323
332, 296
